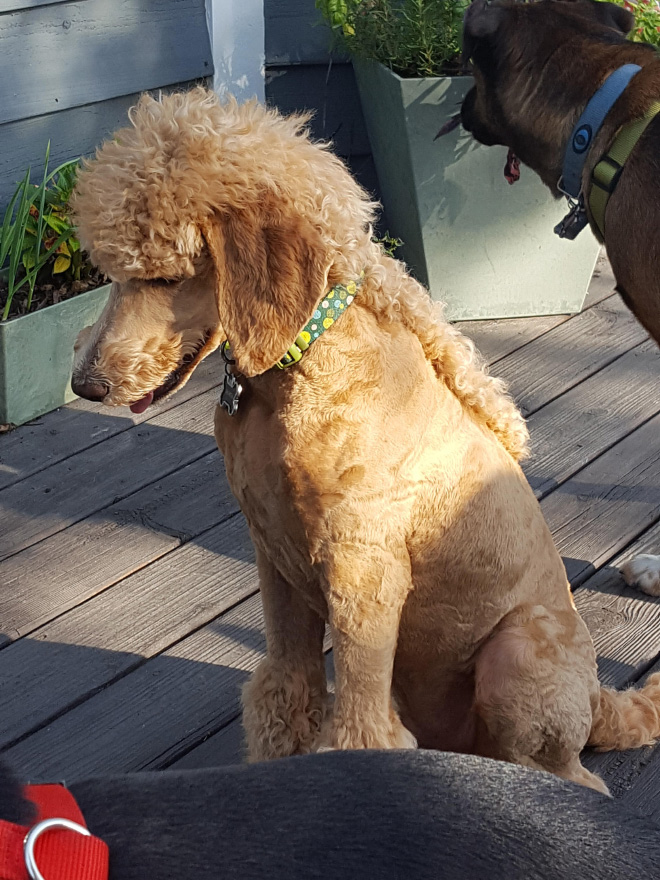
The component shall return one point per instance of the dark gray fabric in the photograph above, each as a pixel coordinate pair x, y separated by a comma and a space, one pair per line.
366, 815
380, 815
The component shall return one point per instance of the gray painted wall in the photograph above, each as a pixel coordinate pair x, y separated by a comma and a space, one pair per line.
70, 69
301, 76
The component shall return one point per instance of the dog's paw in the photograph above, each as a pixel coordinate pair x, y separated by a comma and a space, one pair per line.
368, 736
401, 737
324, 739
282, 714
405, 739
643, 572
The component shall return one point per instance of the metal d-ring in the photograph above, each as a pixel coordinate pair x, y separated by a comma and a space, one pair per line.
34, 833
225, 351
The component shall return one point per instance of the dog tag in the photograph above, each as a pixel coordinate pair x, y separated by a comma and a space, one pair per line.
231, 392
574, 222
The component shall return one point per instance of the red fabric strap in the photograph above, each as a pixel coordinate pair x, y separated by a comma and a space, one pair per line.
60, 854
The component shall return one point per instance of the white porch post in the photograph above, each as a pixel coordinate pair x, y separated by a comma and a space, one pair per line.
237, 40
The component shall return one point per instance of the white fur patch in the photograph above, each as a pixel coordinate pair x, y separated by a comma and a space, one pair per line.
643, 572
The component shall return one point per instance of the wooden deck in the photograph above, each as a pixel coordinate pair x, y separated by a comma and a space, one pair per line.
128, 603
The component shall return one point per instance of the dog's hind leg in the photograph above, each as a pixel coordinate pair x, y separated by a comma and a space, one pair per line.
536, 688
284, 702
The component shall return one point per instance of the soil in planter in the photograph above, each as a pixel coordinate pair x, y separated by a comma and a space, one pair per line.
47, 294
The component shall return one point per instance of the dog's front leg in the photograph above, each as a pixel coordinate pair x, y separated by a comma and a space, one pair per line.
366, 590
285, 700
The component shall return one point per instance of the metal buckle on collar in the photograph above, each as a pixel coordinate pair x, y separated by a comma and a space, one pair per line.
570, 197
35, 832
231, 387
576, 219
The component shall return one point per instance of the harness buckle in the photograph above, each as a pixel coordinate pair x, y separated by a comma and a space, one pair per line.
606, 174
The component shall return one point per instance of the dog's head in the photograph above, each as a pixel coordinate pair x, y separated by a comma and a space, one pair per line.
535, 67
215, 221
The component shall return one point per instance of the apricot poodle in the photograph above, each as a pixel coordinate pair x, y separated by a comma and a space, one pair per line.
378, 471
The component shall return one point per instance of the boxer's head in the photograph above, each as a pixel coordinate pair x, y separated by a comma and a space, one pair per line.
535, 67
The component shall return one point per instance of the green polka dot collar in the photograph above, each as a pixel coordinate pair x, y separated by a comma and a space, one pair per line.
329, 310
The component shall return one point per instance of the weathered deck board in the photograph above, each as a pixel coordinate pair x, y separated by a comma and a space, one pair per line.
81, 425
607, 504
623, 622
227, 746
51, 500
573, 351
586, 421
641, 774
149, 717
103, 639
70, 567
497, 339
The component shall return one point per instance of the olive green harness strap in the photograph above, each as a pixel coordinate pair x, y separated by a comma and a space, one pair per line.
607, 172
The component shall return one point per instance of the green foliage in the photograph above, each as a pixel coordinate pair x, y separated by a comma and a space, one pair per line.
37, 240
388, 243
423, 37
647, 20
412, 37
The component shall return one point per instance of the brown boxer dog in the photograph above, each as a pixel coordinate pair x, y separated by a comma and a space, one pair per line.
536, 66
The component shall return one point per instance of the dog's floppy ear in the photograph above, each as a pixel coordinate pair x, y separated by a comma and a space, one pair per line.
613, 16
481, 21
270, 277
608, 14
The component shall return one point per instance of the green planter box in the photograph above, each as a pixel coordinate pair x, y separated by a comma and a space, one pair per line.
485, 248
36, 353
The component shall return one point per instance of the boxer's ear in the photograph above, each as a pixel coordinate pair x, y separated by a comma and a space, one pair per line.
613, 16
481, 22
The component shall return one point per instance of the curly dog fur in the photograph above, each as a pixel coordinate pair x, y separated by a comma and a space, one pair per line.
379, 476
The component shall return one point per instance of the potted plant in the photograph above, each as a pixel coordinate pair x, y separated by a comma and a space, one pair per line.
647, 20
485, 249
48, 292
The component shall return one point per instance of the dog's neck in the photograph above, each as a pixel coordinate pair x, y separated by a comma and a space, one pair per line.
327, 312
607, 171
588, 126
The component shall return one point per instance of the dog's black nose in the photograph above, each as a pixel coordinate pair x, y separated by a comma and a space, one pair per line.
90, 389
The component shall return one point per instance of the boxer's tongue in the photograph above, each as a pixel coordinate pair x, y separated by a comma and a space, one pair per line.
140, 405
512, 167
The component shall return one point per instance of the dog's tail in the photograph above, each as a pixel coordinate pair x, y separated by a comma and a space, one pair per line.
627, 719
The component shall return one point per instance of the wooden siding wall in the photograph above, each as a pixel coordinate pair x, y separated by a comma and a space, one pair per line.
300, 76
70, 70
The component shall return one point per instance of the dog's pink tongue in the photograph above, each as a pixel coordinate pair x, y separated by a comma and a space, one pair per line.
140, 405
512, 167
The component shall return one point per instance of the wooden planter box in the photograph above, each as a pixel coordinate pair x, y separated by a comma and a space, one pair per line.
36, 354
485, 248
